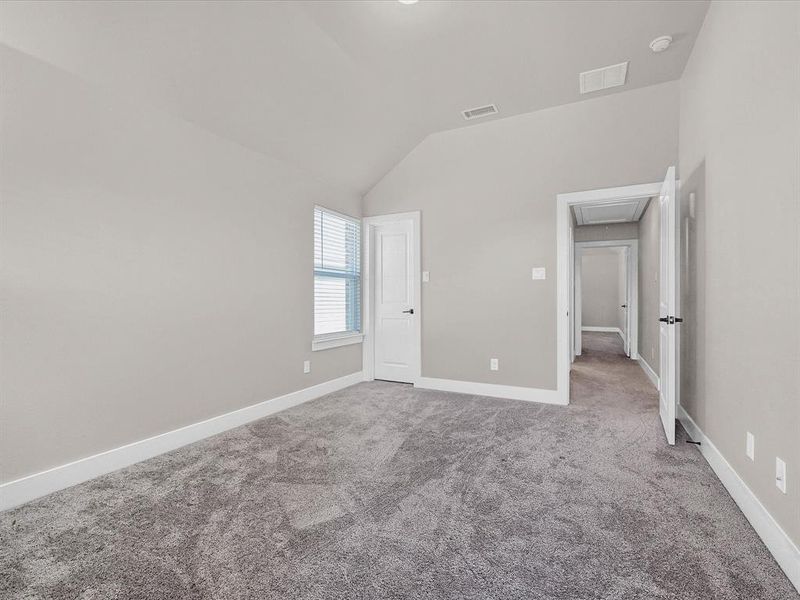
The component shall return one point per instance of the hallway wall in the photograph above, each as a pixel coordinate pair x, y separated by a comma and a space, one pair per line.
649, 267
613, 231
600, 287
740, 157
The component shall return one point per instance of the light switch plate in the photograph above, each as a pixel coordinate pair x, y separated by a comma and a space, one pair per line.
751, 446
539, 273
780, 474
426, 276
306, 366
494, 364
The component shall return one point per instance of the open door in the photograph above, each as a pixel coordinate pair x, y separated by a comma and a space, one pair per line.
625, 297
668, 304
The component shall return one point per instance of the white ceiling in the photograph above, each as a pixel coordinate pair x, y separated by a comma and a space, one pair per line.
346, 89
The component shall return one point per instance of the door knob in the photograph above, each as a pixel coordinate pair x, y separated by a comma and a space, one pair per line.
410, 311
623, 306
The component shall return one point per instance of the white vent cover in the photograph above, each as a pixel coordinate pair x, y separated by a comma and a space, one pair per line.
481, 111
603, 78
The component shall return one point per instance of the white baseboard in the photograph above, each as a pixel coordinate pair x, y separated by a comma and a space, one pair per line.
648, 370
604, 329
785, 551
40, 484
616, 330
511, 392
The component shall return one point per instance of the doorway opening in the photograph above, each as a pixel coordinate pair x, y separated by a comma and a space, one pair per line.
608, 208
606, 275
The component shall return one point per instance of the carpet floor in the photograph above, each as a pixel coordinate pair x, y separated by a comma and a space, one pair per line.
386, 491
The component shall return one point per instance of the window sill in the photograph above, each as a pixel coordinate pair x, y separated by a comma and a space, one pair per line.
325, 342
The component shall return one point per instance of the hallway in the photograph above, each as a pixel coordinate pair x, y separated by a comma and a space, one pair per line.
682, 511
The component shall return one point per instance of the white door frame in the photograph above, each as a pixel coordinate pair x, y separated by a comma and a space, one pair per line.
564, 287
368, 314
632, 273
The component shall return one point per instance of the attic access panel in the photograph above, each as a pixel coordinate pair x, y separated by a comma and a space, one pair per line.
624, 211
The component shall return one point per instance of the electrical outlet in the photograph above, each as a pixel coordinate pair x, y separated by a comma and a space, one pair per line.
494, 364
426, 276
751, 446
780, 474
306, 366
539, 273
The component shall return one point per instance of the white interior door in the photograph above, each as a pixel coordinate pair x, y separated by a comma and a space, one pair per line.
623, 268
395, 314
668, 304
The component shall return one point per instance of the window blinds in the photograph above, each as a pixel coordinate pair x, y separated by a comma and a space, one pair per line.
337, 273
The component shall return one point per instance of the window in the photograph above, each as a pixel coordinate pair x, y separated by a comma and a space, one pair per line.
337, 279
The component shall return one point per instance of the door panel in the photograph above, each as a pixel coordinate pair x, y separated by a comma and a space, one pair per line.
668, 304
624, 273
394, 296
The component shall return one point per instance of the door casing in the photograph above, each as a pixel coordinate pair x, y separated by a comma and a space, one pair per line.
565, 267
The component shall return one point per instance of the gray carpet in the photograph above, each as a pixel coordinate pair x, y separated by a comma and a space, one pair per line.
384, 491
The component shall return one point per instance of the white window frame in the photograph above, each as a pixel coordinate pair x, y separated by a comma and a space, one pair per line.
340, 338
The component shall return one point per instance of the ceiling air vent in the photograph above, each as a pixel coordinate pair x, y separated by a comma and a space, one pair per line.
604, 78
481, 111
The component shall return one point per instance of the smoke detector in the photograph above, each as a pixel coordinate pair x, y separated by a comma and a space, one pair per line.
661, 43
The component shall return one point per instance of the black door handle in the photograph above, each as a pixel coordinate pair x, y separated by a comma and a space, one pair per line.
671, 320
410, 311
623, 306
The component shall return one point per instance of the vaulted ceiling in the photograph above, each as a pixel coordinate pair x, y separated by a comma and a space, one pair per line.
344, 90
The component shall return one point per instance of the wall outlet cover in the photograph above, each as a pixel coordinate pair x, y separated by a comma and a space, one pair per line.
426, 276
306, 366
539, 273
494, 364
750, 448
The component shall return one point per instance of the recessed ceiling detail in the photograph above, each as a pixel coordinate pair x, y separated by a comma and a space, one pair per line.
603, 78
624, 211
481, 111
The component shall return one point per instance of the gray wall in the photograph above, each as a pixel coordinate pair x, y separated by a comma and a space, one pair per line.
488, 197
154, 274
600, 287
649, 264
614, 231
740, 156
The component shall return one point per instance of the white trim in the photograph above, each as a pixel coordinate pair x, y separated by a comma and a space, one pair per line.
610, 195
786, 553
334, 340
368, 347
601, 329
648, 370
616, 330
563, 220
46, 482
351, 218
494, 390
